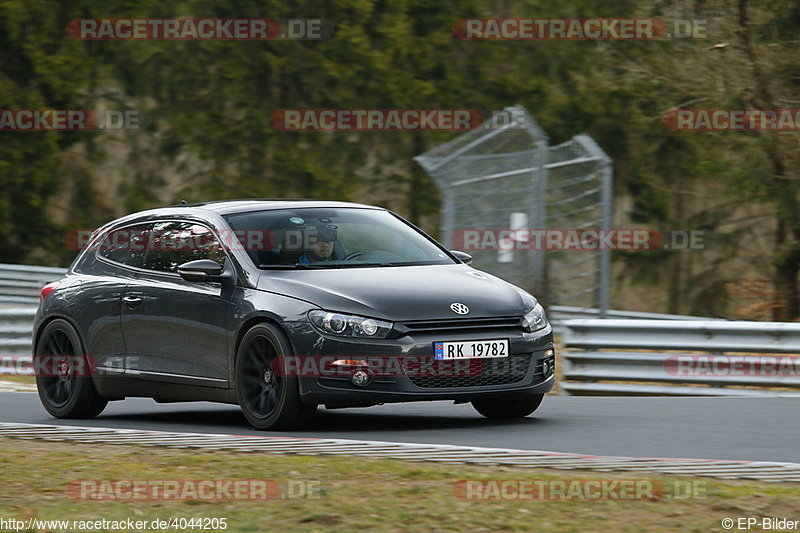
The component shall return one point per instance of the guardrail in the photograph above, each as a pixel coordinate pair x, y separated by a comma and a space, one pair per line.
20, 284
680, 358
16, 330
565, 312
19, 295
559, 314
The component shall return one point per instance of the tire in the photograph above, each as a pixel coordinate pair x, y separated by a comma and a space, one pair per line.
69, 393
269, 399
517, 407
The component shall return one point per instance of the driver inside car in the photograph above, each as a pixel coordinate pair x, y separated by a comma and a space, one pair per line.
321, 247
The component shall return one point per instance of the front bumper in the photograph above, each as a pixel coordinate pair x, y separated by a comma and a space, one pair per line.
529, 369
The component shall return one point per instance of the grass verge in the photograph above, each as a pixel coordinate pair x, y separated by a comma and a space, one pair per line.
30, 380
352, 494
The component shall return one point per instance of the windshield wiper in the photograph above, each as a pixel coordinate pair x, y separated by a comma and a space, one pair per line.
322, 264
362, 265
398, 264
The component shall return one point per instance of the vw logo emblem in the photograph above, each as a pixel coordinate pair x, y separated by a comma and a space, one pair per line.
459, 309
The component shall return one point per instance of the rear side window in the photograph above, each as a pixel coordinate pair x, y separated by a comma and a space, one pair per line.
124, 245
172, 244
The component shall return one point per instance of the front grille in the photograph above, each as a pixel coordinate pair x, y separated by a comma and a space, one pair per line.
467, 324
471, 372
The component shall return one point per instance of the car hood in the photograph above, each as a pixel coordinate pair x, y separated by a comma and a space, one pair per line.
400, 293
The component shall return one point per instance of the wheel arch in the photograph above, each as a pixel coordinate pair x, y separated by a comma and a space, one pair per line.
254, 320
50, 319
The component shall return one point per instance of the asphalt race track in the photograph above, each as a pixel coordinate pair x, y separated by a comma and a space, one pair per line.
759, 429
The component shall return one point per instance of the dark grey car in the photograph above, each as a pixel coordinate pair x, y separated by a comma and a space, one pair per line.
281, 306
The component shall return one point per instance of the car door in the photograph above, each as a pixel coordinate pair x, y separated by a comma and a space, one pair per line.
108, 266
176, 330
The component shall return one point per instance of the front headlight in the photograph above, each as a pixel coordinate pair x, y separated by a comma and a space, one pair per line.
535, 319
343, 325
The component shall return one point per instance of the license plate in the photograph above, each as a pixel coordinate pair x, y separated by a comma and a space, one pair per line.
470, 349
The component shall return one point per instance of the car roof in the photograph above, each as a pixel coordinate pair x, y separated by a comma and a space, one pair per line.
228, 207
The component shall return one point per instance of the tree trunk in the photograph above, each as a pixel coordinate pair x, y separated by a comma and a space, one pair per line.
786, 259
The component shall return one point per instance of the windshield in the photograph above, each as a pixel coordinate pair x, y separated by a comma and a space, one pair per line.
332, 238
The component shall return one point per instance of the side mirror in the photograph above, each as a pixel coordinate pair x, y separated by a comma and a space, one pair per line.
202, 270
464, 257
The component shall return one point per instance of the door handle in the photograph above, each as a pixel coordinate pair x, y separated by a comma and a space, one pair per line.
132, 301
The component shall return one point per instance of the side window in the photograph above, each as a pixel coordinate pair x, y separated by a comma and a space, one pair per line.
125, 245
172, 244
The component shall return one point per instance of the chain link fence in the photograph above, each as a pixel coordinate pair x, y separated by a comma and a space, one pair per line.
503, 179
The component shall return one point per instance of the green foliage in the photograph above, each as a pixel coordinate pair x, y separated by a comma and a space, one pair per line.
207, 108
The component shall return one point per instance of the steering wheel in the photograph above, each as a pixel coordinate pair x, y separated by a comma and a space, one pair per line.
353, 255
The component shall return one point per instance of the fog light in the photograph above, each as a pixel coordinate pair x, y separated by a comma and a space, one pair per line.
349, 362
359, 378
549, 353
546, 368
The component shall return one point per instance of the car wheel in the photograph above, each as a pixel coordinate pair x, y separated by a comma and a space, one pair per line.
268, 397
517, 407
63, 374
